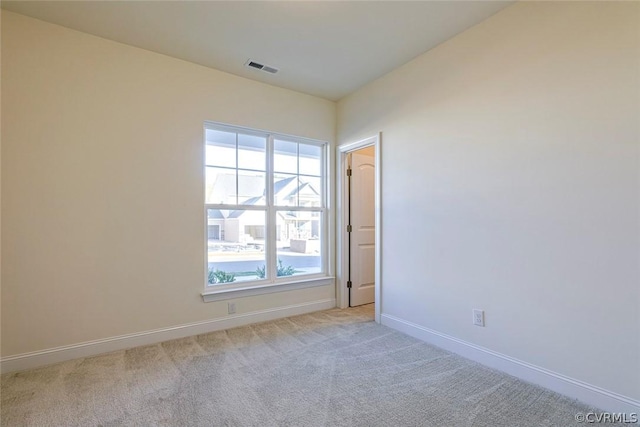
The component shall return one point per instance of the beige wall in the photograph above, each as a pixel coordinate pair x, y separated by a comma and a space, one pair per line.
367, 151
510, 183
102, 192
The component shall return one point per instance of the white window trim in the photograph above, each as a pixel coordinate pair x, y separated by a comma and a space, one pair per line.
269, 288
272, 283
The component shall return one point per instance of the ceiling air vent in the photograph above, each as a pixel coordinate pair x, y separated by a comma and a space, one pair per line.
261, 67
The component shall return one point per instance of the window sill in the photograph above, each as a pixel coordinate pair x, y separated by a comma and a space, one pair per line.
224, 294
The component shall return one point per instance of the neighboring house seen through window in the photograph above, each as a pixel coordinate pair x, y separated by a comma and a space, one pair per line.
265, 207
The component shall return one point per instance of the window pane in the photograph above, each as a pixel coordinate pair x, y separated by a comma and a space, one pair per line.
298, 243
236, 250
310, 193
285, 156
310, 160
252, 152
220, 187
220, 149
251, 187
285, 189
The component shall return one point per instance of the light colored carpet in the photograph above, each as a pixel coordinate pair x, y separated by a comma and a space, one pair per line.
331, 368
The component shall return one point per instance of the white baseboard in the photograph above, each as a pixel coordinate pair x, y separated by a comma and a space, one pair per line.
576, 389
91, 348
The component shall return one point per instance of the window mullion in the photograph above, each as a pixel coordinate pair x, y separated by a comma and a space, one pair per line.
237, 175
324, 170
271, 244
298, 173
324, 201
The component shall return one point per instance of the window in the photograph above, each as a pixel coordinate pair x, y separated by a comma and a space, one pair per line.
266, 210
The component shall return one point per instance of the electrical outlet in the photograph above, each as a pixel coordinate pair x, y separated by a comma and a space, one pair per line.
478, 317
231, 307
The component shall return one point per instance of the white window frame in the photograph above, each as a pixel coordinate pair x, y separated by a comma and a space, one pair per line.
271, 283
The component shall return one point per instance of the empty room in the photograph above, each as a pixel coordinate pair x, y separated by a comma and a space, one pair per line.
320, 213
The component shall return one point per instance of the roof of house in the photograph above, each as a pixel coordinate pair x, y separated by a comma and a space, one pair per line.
283, 186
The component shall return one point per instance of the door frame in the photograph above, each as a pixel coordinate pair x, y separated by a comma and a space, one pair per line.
342, 292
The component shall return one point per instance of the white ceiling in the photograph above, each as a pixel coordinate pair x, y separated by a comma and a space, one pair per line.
323, 48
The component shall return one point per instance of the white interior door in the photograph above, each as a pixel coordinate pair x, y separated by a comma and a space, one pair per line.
362, 247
